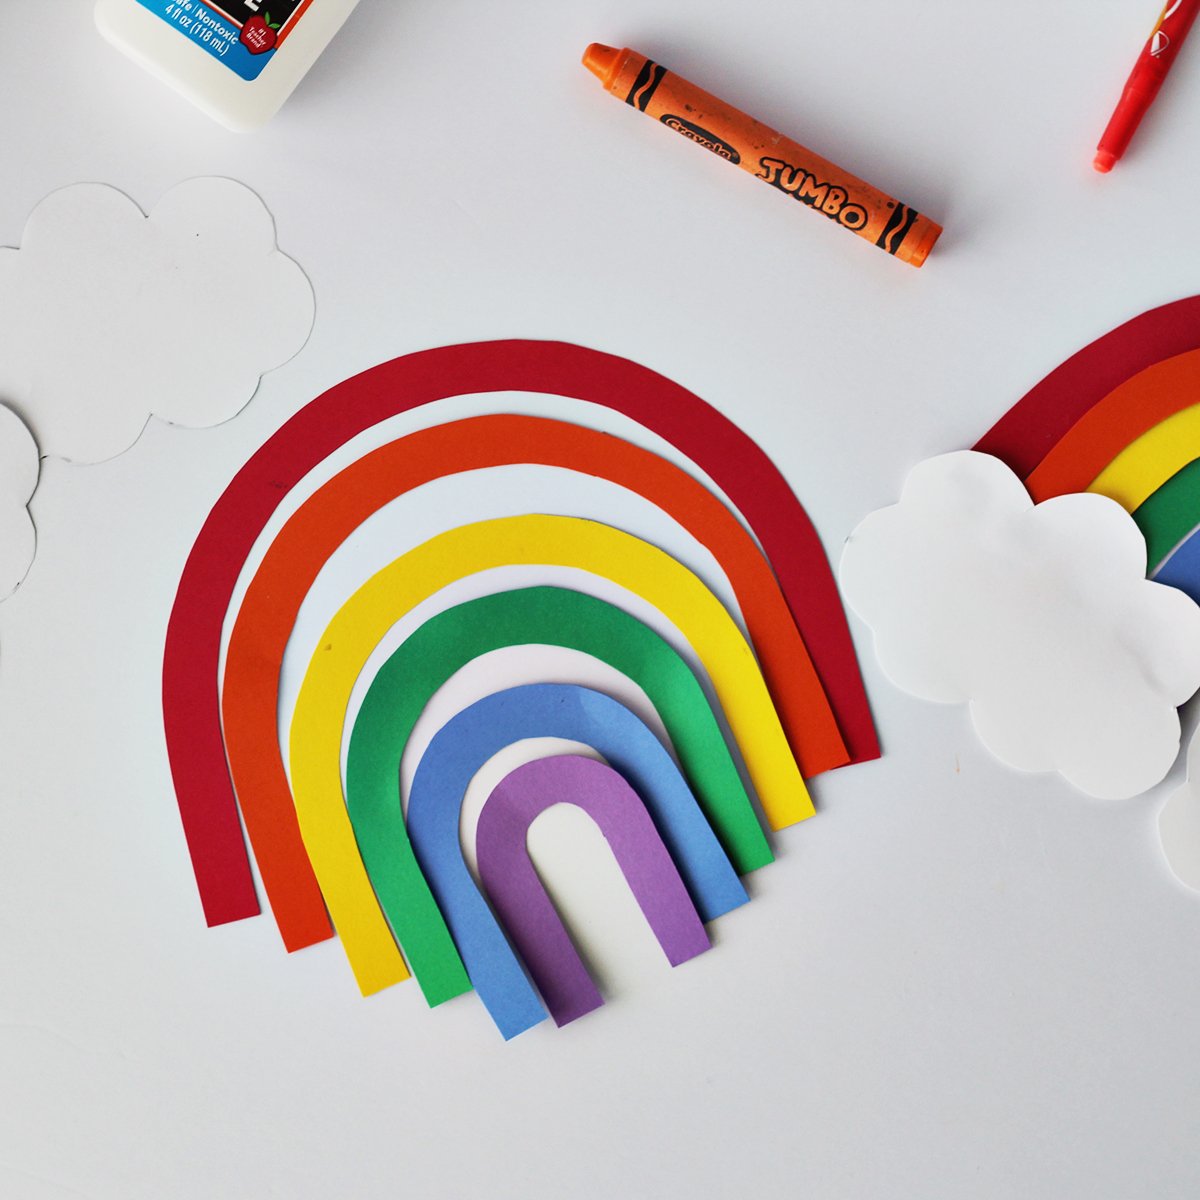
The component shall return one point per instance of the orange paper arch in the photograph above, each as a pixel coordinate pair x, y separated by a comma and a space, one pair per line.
273, 599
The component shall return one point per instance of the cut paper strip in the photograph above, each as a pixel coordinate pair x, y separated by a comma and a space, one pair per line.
19, 468
318, 721
1145, 465
736, 464
465, 743
1118, 420
525, 910
1028, 431
562, 845
1041, 618
260, 638
111, 316
1179, 823
1167, 516
403, 687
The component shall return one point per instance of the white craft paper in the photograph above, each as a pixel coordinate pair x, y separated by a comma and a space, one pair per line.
1179, 823
111, 315
1040, 618
18, 479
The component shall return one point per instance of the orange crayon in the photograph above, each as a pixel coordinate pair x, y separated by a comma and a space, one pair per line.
786, 165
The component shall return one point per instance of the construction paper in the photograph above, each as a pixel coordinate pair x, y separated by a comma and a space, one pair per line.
511, 579
519, 666
406, 683
301, 580
320, 712
499, 579
1145, 465
1028, 431
558, 710
19, 469
499, 670
1039, 617
111, 315
191, 712
526, 911
494, 466
464, 499
1168, 515
577, 869
509, 667
472, 681
1119, 419
559, 844
404, 686
399, 886
1179, 823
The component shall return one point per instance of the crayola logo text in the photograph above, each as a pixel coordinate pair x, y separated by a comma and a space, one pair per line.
702, 137
826, 198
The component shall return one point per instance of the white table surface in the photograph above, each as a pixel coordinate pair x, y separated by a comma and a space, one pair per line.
956, 982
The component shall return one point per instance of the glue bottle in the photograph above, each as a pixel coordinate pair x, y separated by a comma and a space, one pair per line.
238, 60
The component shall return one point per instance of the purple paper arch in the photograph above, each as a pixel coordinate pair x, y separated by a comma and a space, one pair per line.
521, 902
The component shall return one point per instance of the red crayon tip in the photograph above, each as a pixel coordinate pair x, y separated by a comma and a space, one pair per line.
1103, 162
602, 61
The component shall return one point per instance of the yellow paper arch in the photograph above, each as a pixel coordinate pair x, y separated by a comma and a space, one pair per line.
363, 621
1146, 464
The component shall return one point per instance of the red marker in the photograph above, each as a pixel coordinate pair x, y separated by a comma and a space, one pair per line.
1147, 77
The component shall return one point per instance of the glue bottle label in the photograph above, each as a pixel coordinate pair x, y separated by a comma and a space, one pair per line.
242, 34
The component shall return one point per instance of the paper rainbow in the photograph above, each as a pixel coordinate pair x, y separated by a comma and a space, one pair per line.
393, 879
1122, 418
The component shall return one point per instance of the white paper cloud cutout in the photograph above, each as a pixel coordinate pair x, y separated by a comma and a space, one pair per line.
1040, 618
1179, 823
18, 479
111, 316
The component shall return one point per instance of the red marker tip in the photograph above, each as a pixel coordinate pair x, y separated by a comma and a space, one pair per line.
1103, 162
